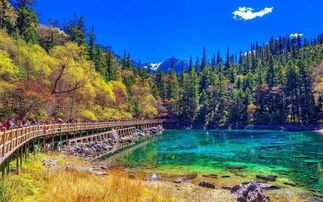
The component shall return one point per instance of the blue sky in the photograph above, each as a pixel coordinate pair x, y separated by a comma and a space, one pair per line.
153, 30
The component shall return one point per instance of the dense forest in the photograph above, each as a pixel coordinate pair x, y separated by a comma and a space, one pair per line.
58, 70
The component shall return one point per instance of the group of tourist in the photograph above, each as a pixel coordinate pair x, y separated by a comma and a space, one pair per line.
13, 123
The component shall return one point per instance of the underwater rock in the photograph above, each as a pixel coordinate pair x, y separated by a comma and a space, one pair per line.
227, 187
236, 188
290, 184
318, 196
207, 184
269, 147
261, 181
190, 176
238, 167
239, 175
266, 186
283, 172
211, 176
270, 178
225, 176
252, 192
311, 162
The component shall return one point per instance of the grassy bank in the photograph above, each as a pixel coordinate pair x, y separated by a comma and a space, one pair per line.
54, 177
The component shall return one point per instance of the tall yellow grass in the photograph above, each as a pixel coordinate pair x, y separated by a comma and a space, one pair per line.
84, 187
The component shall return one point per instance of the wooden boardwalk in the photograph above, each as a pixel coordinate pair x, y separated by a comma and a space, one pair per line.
17, 142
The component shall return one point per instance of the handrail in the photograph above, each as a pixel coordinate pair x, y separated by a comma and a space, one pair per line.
12, 139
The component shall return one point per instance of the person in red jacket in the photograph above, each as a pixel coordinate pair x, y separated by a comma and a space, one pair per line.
5, 124
46, 127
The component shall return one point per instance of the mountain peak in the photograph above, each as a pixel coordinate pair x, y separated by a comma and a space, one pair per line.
167, 65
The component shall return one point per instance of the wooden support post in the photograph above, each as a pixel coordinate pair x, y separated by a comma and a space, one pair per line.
38, 145
17, 162
26, 151
3, 169
33, 145
44, 145
60, 142
8, 166
20, 156
53, 144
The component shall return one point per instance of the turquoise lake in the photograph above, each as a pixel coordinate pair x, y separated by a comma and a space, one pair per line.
295, 157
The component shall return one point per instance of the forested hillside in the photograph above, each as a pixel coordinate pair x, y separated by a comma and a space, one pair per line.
59, 71
49, 72
278, 83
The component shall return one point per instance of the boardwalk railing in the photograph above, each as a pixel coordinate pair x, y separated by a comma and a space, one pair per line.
13, 139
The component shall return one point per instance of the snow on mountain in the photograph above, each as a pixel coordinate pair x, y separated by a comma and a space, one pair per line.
167, 65
152, 66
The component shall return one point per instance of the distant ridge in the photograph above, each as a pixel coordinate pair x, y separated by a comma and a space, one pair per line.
167, 65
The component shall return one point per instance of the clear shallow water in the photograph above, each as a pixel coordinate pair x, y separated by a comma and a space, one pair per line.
295, 156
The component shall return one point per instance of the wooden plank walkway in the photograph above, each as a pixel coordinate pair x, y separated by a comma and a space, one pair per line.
12, 140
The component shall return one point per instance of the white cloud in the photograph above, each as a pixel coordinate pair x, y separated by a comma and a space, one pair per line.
246, 13
296, 35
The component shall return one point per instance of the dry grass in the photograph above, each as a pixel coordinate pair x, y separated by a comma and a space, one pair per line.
82, 186
36, 183
117, 186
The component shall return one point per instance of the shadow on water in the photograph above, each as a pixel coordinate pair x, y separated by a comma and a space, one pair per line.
120, 149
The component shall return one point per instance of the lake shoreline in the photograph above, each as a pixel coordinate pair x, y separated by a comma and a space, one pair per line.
276, 190
278, 127
227, 158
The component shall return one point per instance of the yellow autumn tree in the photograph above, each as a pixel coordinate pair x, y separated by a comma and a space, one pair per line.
144, 101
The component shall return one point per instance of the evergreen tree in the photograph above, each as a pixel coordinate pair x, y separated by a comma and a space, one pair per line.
270, 79
27, 20
76, 30
92, 47
8, 17
204, 60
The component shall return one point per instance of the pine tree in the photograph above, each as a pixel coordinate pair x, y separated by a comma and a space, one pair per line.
111, 73
190, 65
270, 79
91, 45
291, 92
172, 65
160, 85
228, 59
204, 60
76, 30
27, 20
8, 17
